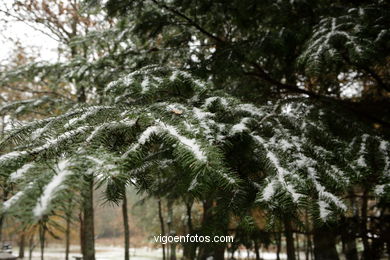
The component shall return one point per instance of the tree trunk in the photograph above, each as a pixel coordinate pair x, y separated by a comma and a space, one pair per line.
298, 247
217, 222
366, 245
278, 243
42, 233
324, 244
31, 246
5, 196
189, 249
22, 244
1, 226
205, 250
81, 221
67, 235
161, 218
289, 239
88, 227
348, 239
171, 232
257, 249
219, 253
126, 227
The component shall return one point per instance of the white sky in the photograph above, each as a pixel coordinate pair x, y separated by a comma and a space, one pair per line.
27, 36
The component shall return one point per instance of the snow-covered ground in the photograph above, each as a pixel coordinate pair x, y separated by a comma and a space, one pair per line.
117, 253
102, 253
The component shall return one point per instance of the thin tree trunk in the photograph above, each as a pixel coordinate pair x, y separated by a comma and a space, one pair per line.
305, 246
308, 249
324, 244
298, 247
366, 244
31, 246
67, 235
161, 218
348, 239
278, 244
289, 239
171, 232
42, 233
22, 244
89, 234
126, 227
257, 249
81, 221
1, 226
189, 249
5, 195
206, 250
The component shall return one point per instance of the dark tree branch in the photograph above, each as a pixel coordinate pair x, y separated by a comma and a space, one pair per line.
189, 20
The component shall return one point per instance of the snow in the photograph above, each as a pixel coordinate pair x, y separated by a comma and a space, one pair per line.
161, 127
251, 109
240, 127
379, 189
145, 136
65, 136
108, 125
324, 211
89, 112
103, 167
145, 85
193, 184
281, 173
383, 146
50, 190
285, 145
201, 115
269, 190
361, 161
20, 172
287, 109
322, 192
11, 155
174, 75
211, 100
11, 201
189, 143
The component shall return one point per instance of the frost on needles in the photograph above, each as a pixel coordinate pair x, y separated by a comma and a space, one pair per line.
303, 154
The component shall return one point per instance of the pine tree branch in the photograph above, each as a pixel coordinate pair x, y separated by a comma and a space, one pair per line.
378, 79
260, 71
369, 71
189, 20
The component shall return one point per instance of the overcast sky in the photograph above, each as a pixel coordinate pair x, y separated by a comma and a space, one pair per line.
29, 38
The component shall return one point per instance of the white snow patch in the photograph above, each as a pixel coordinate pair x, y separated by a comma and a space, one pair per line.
211, 100
54, 185
380, 189
11, 201
11, 155
161, 127
324, 211
251, 109
269, 190
20, 172
240, 127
